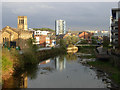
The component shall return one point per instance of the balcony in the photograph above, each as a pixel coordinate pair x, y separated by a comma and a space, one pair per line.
115, 42
114, 23
114, 37
114, 31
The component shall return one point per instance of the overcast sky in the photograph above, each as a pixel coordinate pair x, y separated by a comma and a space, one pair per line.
78, 16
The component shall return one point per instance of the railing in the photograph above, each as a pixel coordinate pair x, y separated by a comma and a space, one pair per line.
114, 24
82, 40
114, 36
114, 31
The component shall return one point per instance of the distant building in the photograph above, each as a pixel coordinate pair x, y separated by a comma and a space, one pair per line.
115, 27
43, 38
38, 32
85, 35
22, 22
12, 37
100, 33
60, 27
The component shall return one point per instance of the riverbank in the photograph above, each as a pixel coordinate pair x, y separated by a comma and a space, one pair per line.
107, 67
111, 67
13, 62
7, 64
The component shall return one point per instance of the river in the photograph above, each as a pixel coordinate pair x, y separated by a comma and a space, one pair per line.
64, 71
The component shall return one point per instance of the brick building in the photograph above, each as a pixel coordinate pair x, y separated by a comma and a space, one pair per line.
85, 35
42, 40
13, 37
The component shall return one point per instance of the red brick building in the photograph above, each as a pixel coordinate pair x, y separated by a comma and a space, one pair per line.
42, 40
85, 35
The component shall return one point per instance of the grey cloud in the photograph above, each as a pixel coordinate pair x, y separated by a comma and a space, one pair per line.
77, 15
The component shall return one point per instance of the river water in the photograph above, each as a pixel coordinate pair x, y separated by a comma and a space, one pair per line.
64, 71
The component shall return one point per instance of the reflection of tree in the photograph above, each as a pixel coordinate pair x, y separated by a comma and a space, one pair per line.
61, 58
30, 70
19, 79
71, 57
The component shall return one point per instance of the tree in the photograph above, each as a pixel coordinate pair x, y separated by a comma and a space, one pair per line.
62, 44
44, 29
94, 41
84, 42
71, 40
106, 41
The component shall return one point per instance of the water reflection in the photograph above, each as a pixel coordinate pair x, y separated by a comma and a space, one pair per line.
44, 62
23, 83
16, 82
60, 63
62, 71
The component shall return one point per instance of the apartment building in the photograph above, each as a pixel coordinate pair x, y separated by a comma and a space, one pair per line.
60, 27
115, 28
42, 38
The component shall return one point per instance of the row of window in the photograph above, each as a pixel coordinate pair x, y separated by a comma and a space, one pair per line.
21, 21
4, 39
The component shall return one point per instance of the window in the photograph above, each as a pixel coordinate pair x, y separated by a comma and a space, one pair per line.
22, 21
3, 40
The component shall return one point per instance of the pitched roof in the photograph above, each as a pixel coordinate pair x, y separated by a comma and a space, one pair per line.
15, 30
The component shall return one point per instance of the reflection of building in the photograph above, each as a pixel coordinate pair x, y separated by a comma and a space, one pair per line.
60, 63
44, 62
60, 27
24, 82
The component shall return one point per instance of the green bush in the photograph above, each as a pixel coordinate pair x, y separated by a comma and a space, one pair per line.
6, 64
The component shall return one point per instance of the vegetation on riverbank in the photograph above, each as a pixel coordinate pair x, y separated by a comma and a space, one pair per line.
87, 50
7, 63
31, 56
113, 71
111, 67
14, 61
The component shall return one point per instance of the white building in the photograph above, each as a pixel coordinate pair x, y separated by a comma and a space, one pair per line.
47, 41
38, 32
60, 27
100, 32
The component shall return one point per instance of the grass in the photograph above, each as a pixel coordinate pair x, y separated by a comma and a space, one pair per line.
87, 50
6, 64
88, 56
107, 67
111, 67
